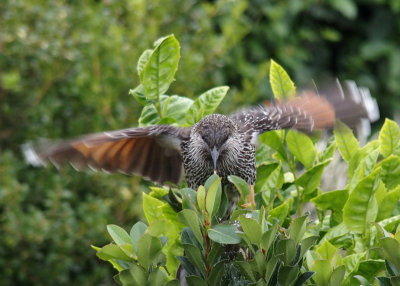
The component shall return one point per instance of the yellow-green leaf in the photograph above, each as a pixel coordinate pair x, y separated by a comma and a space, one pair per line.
281, 84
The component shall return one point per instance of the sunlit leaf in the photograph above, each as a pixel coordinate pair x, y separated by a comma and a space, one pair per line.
281, 84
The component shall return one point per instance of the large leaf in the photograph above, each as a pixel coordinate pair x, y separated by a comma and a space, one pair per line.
389, 137
118, 234
134, 276
173, 110
251, 228
149, 248
302, 147
205, 104
160, 68
224, 233
281, 84
388, 203
357, 208
311, 179
281, 211
213, 197
191, 219
274, 139
333, 200
345, 140
390, 171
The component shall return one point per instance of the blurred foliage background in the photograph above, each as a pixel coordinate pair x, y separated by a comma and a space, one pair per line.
66, 68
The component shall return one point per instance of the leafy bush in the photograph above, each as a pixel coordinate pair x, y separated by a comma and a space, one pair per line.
263, 246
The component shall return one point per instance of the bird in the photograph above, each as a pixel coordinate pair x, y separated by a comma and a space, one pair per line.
217, 144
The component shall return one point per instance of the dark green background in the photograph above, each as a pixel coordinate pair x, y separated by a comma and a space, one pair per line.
66, 68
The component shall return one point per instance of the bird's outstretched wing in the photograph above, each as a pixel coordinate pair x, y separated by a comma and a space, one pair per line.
152, 152
313, 110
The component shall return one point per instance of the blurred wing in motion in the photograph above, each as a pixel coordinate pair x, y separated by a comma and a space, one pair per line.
312, 111
152, 152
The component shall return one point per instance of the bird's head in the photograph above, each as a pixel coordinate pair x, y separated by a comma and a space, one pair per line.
214, 138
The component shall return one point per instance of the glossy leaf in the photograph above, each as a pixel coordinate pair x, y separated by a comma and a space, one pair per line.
149, 248
274, 139
345, 140
281, 211
160, 68
297, 228
323, 271
357, 208
391, 250
268, 237
246, 270
337, 276
301, 147
311, 179
201, 198
195, 281
173, 108
333, 200
390, 171
205, 104
251, 228
287, 274
112, 251
388, 204
281, 84
285, 249
143, 59
224, 233
194, 255
118, 234
190, 218
134, 276
136, 232
157, 277
389, 137
213, 198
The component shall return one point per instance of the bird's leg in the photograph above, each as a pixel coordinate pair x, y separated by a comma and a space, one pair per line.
252, 200
249, 200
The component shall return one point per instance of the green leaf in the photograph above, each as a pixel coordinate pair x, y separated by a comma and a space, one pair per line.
134, 276
112, 251
195, 281
173, 108
301, 147
389, 137
391, 250
356, 210
224, 233
149, 248
241, 185
311, 179
329, 150
191, 219
333, 200
268, 237
213, 198
194, 255
287, 274
137, 230
251, 228
201, 198
205, 104
269, 178
246, 270
217, 273
329, 252
323, 271
159, 71
138, 94
307, 243
297, 228
152, 208
118, 234
274, 139
364, 168
337, 276
143, 59
390, 175
285, 249
388, 204
345, 140
157, 277
281, 84
281, 211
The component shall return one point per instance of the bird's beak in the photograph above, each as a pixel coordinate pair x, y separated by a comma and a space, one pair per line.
214, 156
